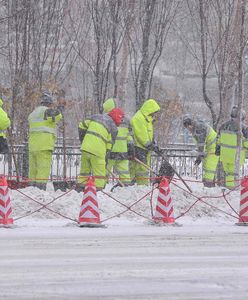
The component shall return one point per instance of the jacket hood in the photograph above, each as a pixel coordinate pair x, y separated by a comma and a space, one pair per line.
150, 106
108, 105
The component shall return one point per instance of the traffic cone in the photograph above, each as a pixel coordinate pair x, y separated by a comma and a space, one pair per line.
164, 209
243, 212
5, 205
89, 215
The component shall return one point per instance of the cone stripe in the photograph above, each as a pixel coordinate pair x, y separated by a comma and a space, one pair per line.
90, 188
170, 213
5, 204
244, 192
162, 212
243, 211
90, 209
89, 193
243, 201
165, 198
90, 199
5, 201
4, 190
243, 219
86, 205
165, 206
165, 191
89, 213
88, 221
5, 210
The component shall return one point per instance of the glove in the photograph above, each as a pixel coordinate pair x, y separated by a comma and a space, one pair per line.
154, 147
51, 113
217, 150
157, 150
198, 160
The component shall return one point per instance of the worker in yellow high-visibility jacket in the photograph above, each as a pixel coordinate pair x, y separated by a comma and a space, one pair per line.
142, 127
205, 137
97, 135
4, 124
227, 146
123, 147
42, 138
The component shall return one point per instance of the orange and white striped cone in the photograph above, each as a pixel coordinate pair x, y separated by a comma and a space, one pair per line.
243, 212
89, 215
164, 213
5, 204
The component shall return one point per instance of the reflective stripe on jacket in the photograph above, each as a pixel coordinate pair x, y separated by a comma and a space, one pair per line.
227, 139
100, 135
42, 133
123, 138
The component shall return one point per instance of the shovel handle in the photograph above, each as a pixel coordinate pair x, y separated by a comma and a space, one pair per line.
115, 176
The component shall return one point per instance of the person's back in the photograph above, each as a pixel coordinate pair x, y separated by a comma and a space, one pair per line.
99, 134
227, 145
227, 139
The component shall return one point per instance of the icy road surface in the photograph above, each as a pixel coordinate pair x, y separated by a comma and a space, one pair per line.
53, 259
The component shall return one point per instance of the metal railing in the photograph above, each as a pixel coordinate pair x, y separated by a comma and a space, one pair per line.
180, 156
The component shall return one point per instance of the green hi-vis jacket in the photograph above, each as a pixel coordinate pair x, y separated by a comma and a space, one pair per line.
100, 134
4, 120
142, 123
42, 129
124, 135
227, 139
205, 137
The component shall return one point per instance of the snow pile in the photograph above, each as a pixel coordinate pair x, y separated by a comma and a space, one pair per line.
69, 204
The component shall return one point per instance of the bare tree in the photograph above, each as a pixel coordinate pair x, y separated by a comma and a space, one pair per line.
36, 53
152, 24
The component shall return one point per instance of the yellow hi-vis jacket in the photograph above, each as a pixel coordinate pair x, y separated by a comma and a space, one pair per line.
205, 137
142, 123
227, 140
124, 135
42, 129
100, 134
4, 120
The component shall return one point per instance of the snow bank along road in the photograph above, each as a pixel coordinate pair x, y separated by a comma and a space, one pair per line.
51, 259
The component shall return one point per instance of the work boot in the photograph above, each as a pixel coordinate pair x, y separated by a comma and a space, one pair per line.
41, 186
209, 184
79, 188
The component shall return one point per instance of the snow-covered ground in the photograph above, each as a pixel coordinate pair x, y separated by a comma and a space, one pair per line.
47, 257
